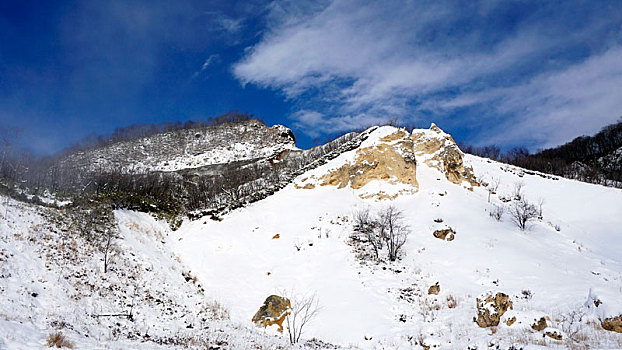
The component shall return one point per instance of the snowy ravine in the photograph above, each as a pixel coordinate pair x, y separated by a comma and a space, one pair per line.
547, 270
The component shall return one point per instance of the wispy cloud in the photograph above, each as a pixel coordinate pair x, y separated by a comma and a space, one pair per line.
210, 60
347, 64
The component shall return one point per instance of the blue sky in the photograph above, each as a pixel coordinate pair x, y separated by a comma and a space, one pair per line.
533, 73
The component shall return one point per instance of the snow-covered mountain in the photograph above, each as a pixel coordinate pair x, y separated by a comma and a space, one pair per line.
186, 148
467, 276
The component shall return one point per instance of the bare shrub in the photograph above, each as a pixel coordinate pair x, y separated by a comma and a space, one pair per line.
363, 220
366, 225
386, 229
428, 308
522, 212
217, 311
452, 302
540, 205
58, 340
517, 192
492, 187
303, 309
497, 212
393, 230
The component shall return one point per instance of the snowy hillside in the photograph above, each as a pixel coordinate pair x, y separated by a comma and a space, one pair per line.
466, 276
183, 149
52, 282
300, 241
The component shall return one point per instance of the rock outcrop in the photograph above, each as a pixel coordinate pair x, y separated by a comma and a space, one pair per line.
490, 308
273, 312
389, 159
613, 324
447, 234
539, 324
434, 289
611, 321
391, 155
441, 152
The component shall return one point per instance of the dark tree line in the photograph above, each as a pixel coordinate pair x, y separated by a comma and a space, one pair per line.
172, 194
586, 158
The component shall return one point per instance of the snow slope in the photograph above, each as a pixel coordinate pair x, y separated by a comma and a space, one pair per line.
52, 280
546, 272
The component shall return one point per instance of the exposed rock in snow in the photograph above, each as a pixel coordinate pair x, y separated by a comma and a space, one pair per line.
613, 324
390, 159
491, 307
554, 334
539, 324
447, 234
434, 289
273, 312
439, 150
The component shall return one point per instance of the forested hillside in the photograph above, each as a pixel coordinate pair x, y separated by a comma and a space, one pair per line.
595, 159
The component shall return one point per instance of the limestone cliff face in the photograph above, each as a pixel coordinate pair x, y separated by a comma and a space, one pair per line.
385, 165
439, 150
388, 158
391, 160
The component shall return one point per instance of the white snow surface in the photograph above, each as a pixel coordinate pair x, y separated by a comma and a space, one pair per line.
54, 282
557, 268
544, 271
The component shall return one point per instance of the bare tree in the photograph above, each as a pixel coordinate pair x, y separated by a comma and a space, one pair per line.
497, 212
393, 230
492, 187
108, 248
540, 205
303, 309
367, 226
522, 212
517, 193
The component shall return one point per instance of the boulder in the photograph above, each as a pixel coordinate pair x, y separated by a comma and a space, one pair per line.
554, 334
434, 289
613, 324
598, 305
273, 311
539, 324
490, 308
447, 234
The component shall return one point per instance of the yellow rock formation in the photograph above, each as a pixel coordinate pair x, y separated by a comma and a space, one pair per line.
391, 159
443, 154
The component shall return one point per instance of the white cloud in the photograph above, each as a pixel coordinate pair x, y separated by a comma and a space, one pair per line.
346, 64
553, 107
212, 59
316, 124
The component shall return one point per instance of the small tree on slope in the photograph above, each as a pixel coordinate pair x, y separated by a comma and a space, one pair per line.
522, 212
304, 309
393, 230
